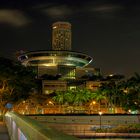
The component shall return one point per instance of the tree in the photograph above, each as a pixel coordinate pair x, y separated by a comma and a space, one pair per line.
16, 82
81, 96
92, 77
76, 98
113, 94
99, 96
69, 97
132, 96
59, 97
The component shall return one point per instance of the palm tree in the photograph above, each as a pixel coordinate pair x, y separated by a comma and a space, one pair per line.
99, 96
59, 99
112, 92
69, 97
81, 96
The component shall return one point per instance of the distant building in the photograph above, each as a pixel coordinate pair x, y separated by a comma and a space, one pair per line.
69, 65
61, 36
49, 86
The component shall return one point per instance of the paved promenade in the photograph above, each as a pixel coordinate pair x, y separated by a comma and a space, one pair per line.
3, 132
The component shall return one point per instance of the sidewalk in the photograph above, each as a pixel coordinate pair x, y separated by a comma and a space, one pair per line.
3, 132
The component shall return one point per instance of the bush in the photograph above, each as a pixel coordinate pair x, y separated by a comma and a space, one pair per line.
134, 128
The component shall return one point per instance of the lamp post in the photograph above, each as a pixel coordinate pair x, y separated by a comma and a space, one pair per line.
100, 113
92, 104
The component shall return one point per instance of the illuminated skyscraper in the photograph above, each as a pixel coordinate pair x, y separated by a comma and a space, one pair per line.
61, 36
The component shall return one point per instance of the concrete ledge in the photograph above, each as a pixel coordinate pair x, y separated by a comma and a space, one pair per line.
109, 135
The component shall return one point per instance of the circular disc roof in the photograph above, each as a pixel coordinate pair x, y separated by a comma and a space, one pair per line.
54, 58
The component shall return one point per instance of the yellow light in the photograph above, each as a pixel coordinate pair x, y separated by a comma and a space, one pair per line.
100, 113
50, 64
93, 102
54, 27
50, 102
125, 91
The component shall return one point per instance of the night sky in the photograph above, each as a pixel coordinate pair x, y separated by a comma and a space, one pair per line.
107, 30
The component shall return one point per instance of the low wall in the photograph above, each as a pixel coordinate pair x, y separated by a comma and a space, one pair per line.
113, 119
84, 124
24, 128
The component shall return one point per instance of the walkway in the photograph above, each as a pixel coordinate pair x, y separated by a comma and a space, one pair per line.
3, 132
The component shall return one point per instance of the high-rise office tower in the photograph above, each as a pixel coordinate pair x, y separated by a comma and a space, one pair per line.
61, 36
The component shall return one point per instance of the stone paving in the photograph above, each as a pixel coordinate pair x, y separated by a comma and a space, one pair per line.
3, 131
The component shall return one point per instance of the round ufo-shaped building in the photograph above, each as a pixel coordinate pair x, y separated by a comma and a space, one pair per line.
55, 58
60, 56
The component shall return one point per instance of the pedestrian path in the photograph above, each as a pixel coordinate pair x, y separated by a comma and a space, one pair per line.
3, 131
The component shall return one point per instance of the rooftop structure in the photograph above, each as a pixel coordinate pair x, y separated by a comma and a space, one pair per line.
60, 56
54, 58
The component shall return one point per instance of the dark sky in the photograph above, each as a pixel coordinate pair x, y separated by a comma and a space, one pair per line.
107, 30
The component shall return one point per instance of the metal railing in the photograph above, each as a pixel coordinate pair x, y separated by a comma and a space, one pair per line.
24, 128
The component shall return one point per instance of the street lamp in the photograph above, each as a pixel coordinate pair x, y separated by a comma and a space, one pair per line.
129, 111
50, 103
100, 114
92, 104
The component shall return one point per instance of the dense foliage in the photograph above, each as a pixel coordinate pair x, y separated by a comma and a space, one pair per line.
114, 91
125, 93
16, 82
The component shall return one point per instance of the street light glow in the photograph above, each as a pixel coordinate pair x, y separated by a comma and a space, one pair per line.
100, 113
94, 102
